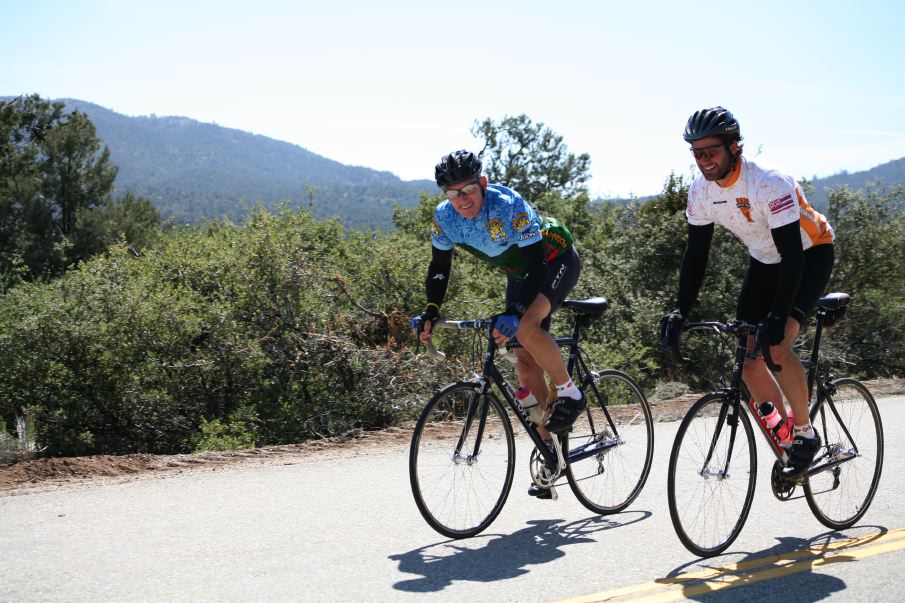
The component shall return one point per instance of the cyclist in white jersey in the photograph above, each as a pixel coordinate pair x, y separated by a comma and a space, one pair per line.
536, 253
791, 249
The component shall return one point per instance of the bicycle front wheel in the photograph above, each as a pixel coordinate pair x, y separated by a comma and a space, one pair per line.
461, 460
611, 444
712, 471
848, 421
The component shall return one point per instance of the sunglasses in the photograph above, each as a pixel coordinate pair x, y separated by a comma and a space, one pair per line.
453, 193
705, 152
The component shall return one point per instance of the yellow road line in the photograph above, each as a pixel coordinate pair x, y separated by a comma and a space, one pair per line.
749, 572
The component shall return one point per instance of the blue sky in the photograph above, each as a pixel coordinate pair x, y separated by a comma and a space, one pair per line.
394, 85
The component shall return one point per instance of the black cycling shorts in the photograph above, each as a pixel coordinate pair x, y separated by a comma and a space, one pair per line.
562, 276
759, 287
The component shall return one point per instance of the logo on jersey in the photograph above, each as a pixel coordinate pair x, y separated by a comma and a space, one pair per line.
744, 206
520, 221
555, 238
781, 204
436, 228
496, 229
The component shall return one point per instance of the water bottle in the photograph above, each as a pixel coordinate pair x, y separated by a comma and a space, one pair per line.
769, 416
783, 431
778, 429
527, 401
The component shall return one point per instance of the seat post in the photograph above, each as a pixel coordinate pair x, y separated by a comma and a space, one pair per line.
815, 350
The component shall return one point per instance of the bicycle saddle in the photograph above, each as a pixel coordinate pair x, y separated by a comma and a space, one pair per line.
831, 301
594, 306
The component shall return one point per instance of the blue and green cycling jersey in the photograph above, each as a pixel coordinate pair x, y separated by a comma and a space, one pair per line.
505, 223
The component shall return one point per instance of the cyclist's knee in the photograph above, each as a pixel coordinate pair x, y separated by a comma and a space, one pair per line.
783, 353
755, 364
527, 325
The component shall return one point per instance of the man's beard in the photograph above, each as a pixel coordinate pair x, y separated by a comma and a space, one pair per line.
733, 161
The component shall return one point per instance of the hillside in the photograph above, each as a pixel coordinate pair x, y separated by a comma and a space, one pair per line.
195, 171
892, 172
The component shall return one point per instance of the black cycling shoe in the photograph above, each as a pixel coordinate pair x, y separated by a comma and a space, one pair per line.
565, 412
538, 492
801, 454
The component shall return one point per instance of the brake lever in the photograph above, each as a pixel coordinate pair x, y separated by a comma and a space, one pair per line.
433, 351
429, 345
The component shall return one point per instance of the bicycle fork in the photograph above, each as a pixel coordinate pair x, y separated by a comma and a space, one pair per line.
475, 404
728, 415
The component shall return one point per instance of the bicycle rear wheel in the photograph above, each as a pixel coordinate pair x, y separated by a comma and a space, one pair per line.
609, 462
709, 493
848, 421
461, 460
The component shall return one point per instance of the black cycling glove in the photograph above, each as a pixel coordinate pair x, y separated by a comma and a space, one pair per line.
771, 330
671, 329
430, 315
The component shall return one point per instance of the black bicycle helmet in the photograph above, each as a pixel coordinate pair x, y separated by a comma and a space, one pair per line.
715, 121
456, 167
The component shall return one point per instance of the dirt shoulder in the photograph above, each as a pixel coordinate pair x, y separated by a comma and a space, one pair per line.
54, 473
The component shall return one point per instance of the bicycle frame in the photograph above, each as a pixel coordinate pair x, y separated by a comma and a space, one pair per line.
491, 375
735, 388
825, 391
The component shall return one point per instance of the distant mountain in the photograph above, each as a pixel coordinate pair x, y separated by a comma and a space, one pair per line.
195, 171
886, 174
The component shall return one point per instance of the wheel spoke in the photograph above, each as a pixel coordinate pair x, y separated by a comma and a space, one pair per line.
614, 440
709, 503
847, 422
460, 493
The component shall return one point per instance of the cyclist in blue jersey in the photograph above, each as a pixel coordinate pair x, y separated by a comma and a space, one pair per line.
536, 253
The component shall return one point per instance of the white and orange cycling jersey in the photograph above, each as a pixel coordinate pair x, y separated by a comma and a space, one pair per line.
754, 201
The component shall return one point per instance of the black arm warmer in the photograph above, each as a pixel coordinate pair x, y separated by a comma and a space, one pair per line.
535, 276
694, 263
438, 275
788, 243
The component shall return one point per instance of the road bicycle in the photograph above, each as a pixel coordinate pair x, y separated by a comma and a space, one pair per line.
713, 463
462, 455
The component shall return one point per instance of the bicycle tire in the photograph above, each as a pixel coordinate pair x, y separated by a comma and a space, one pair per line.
608, 481
840, 496
708, 506
460, 493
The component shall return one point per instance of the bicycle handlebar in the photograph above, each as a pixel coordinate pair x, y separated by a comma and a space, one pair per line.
738, 328
477, 324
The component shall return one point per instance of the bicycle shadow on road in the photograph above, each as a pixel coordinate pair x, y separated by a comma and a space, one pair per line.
787, 568
493, 557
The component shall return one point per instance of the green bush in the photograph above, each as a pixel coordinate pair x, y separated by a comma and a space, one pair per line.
288, 328
216, 436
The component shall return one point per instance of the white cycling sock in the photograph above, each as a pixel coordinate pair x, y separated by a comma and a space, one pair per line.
568, 390
804, 430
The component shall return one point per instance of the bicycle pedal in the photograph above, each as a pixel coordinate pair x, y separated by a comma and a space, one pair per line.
782, 489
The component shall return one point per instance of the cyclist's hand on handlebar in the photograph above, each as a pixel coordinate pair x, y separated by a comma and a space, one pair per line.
506, 326
770, 332
671, 330
423, 324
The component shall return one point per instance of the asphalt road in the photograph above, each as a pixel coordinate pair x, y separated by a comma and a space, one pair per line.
329, 529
